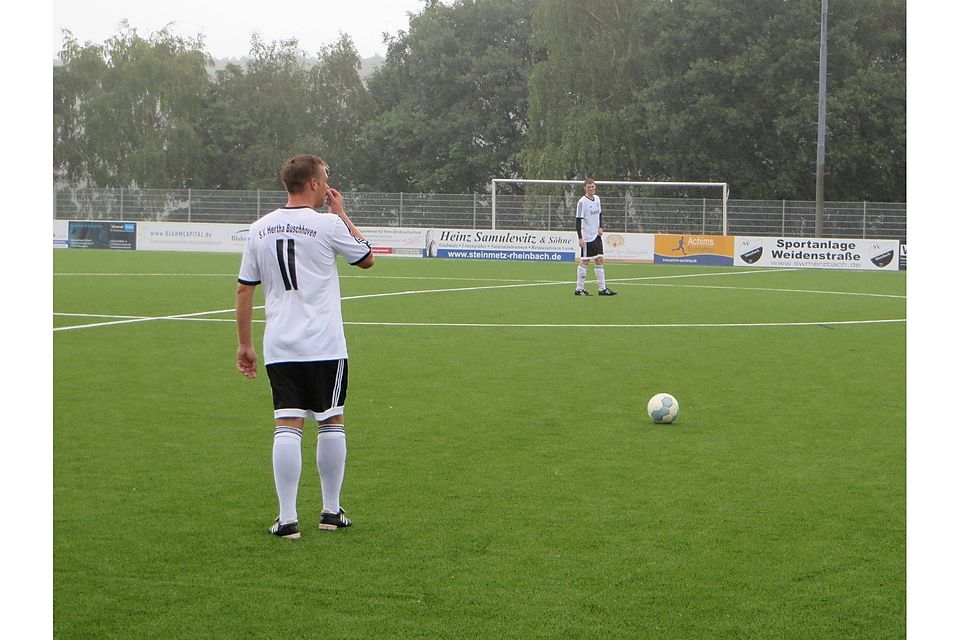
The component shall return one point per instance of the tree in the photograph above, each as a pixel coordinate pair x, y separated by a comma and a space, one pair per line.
720, 90
281, 105
451, 98
340, 108
258, 117
126, 112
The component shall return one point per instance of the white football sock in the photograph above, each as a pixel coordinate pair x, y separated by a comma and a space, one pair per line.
581, 276
601, 280
286, 469
331, 461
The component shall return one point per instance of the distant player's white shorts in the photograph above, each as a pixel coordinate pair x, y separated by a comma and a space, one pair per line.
309, 390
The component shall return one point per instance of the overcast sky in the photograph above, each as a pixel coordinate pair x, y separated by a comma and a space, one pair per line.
228, 24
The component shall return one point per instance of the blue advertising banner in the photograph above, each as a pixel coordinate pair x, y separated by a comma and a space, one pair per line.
507, 254
97, 234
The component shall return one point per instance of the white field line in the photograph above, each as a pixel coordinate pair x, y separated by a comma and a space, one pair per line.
541, 283
120, 320
815, 291
361, 277
132, 319
679, 325
683, 325
439, 278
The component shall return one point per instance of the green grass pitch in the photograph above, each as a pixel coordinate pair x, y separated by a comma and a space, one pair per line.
503, 477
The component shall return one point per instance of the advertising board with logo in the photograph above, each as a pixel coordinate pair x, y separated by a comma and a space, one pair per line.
693, 249
186, 236
487, 244
98, 234
817, 253
396, 241
628, 247
544, 246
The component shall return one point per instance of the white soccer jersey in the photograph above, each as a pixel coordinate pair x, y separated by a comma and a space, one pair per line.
292, 252
589, 211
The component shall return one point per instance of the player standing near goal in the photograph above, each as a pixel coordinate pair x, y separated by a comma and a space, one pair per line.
292, 251
590, 237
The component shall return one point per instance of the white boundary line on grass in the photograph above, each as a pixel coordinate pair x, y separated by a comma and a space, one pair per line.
771, 289
684, 325
363, 277
507, 325
121, 320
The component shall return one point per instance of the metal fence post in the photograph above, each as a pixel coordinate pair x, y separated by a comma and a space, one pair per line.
121, 204
189, 204
400, 220
704, 225
474, 210
783, 220
864, 219
258, 204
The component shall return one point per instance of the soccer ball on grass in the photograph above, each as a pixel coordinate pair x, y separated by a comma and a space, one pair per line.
663, 408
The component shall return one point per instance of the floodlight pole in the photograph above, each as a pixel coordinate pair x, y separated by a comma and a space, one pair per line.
821, 119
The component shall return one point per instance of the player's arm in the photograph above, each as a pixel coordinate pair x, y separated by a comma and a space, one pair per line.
579, 224
335, 202
366, 263
347, 240
246, 354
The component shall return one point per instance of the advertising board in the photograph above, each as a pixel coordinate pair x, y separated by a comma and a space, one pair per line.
100, 234
693, 249
817, 253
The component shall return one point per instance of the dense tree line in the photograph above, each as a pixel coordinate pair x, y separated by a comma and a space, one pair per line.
718, 90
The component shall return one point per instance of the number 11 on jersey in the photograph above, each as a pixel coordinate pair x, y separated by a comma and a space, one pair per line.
288, 263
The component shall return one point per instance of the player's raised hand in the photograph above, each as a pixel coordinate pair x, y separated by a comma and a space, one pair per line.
335, 201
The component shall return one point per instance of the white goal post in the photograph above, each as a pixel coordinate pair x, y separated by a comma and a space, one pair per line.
725, 189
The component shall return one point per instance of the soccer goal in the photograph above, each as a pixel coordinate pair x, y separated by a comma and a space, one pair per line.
719, 188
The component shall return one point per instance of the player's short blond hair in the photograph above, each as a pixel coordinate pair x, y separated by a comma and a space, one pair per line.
299, 170
589, 181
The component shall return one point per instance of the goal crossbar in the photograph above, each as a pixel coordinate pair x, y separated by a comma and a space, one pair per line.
493, 190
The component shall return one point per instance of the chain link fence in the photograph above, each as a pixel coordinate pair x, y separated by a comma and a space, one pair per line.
626, 212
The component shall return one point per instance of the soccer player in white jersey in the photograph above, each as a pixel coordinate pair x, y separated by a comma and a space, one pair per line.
292, 252
590, 237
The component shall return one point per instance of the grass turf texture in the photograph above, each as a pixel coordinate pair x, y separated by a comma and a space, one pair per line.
503, 481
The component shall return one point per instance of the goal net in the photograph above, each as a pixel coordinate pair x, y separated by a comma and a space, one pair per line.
628, 206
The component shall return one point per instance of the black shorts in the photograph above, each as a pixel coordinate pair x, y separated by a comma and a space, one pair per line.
316, 390
592, 249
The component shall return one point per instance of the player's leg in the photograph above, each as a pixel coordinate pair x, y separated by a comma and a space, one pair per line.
599, 270
331, 440
286, 385
287, 465
331, 464
582, 272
